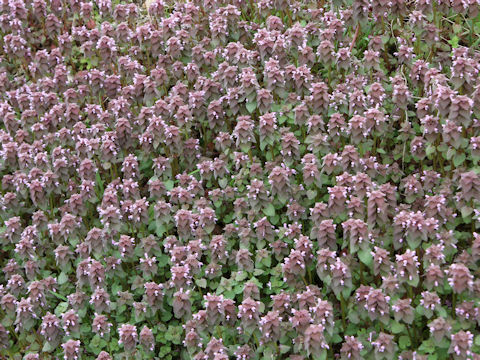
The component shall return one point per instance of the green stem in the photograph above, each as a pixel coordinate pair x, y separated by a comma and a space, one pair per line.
454, 305
256, 339
410, 335
435, 12
175, 166
355, 36
362, 269
51, 206
410, 291
343, 307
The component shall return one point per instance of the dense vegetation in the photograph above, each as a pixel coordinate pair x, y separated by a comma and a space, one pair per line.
240, 179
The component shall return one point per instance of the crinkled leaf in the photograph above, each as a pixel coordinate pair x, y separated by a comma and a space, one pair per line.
251, 106
459, 159
201, 283
269, 210
62, 278
365, 256
397, 328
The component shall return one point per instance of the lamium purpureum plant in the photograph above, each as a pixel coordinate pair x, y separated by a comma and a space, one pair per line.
235, 179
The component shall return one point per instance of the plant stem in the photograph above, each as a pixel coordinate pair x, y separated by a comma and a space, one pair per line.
357, 31
115, 170
342, 305
256, 340
454, 305
51, 206
362, 269
410, 334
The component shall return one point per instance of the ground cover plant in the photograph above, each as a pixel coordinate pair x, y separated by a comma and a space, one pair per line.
239, 179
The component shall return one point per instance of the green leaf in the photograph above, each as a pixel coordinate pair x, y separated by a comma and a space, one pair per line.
346, 291
261, 244
174, 334
321, 356
61, 297
450, 153
274, 220
269, 210
454, 41
430, 149
7, 321
457, 28
169, 185
61, 308
166, 316
311, 194
245, 147
459, 159
258, 272
427, 346
241, 275
404, 342
97, 344
413, 282
99, 181
268, 354
251, 106
284, 349
365, 257
62, 278
414, 242
397, 328
121, 309
477, 340
263, 144
201, 283
337, 339
47, 347
163, 260
223, 183
466, 211
353, 317
442, 312
164, 350
230, 294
